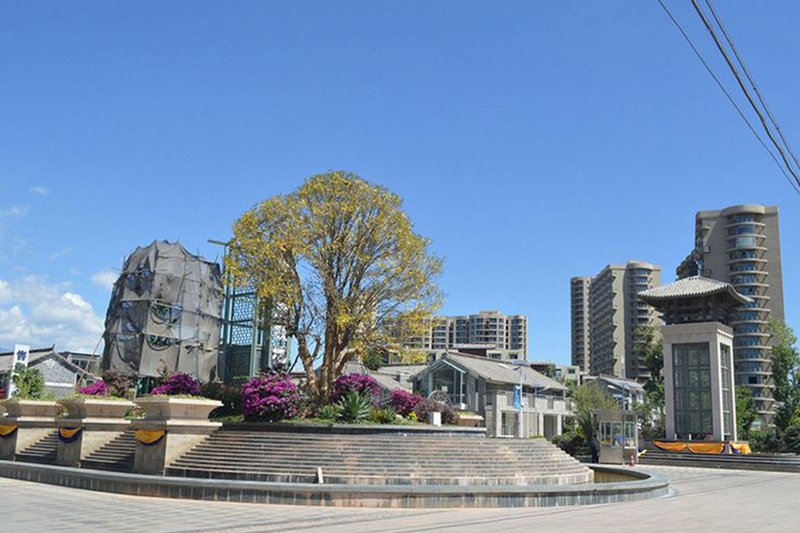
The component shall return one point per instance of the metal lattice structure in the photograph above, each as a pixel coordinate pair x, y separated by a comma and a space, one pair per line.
253, 338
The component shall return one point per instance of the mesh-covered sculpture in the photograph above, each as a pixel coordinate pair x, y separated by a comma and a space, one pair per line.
164, 314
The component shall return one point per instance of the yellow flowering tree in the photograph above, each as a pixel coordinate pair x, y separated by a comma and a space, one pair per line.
343, 261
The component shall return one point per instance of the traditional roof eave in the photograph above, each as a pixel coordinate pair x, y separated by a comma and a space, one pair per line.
692, 287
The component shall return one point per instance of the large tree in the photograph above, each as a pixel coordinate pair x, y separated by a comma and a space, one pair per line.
342, 259
785, 373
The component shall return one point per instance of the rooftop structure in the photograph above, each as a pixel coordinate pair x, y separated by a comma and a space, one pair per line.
695, 299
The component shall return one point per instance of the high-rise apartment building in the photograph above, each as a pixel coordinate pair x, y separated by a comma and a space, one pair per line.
505, 336
579, 302
614, 314
741, 246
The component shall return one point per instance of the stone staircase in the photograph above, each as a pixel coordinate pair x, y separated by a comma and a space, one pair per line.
385, 459
117, 455
42, 451
774, 463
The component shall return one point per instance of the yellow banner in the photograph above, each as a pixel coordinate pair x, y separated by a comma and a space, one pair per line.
68, 433
741, 447
5, 431
149, 436
706, 447
670, 446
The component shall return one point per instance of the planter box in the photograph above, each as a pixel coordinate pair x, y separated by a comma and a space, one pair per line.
469, 420
177, 409
96, 408
31, 408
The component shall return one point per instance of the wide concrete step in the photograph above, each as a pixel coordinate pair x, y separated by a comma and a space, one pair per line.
378, 459
334, 477
375, 467
773, 463
42, 451
117, 455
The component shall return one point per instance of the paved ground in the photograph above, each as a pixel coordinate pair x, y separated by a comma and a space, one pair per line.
703, 500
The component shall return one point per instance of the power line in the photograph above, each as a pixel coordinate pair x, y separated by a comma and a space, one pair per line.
729, 97
747, 94
752, 81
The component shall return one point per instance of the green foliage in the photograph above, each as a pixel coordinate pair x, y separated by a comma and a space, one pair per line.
383, 416
342, 257
327, 412
353, 408
785, 372
572, 442
587, 398
746, 411
28, 383
229, 395
791, 438
373, 359
649, 350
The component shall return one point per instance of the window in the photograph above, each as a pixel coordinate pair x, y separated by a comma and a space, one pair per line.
727, 395
692, 389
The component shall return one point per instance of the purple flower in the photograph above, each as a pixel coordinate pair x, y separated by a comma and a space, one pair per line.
179, 384
98, 388
271, 398
403, 402
360, 383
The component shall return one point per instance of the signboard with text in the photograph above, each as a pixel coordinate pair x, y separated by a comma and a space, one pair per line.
21, 356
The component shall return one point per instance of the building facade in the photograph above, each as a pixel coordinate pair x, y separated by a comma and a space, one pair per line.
504, 336
486, 387
615, 314
579, 318
740, 245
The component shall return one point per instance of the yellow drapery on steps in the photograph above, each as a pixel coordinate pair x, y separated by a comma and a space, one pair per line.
7, 430
741, 447
706, 447
670, 446
148, 437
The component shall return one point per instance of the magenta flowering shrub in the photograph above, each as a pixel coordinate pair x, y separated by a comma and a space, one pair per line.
179, 384
403, 402
98, 388
271, 398
363, 384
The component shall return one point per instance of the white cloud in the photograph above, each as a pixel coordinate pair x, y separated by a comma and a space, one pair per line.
105, 278
60, 253
40, 190
14, 211
36, 312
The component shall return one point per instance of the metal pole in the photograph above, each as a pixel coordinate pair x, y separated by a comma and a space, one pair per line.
519, 416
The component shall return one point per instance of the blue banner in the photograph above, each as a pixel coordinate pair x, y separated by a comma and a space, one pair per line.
518, 397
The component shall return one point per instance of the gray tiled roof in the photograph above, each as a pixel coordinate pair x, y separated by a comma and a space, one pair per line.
502, 372
7, 358
620, 383
690, 287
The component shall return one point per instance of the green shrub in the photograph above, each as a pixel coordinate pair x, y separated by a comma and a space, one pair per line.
28, 383
353, 408
229, 395
383, 416
327, 412
791, 438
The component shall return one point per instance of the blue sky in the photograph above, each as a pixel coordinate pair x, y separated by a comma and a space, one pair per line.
532, 141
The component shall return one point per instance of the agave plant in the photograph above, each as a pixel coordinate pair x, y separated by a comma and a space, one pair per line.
353, 407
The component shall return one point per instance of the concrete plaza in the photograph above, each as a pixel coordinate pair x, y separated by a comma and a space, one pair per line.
702, 500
